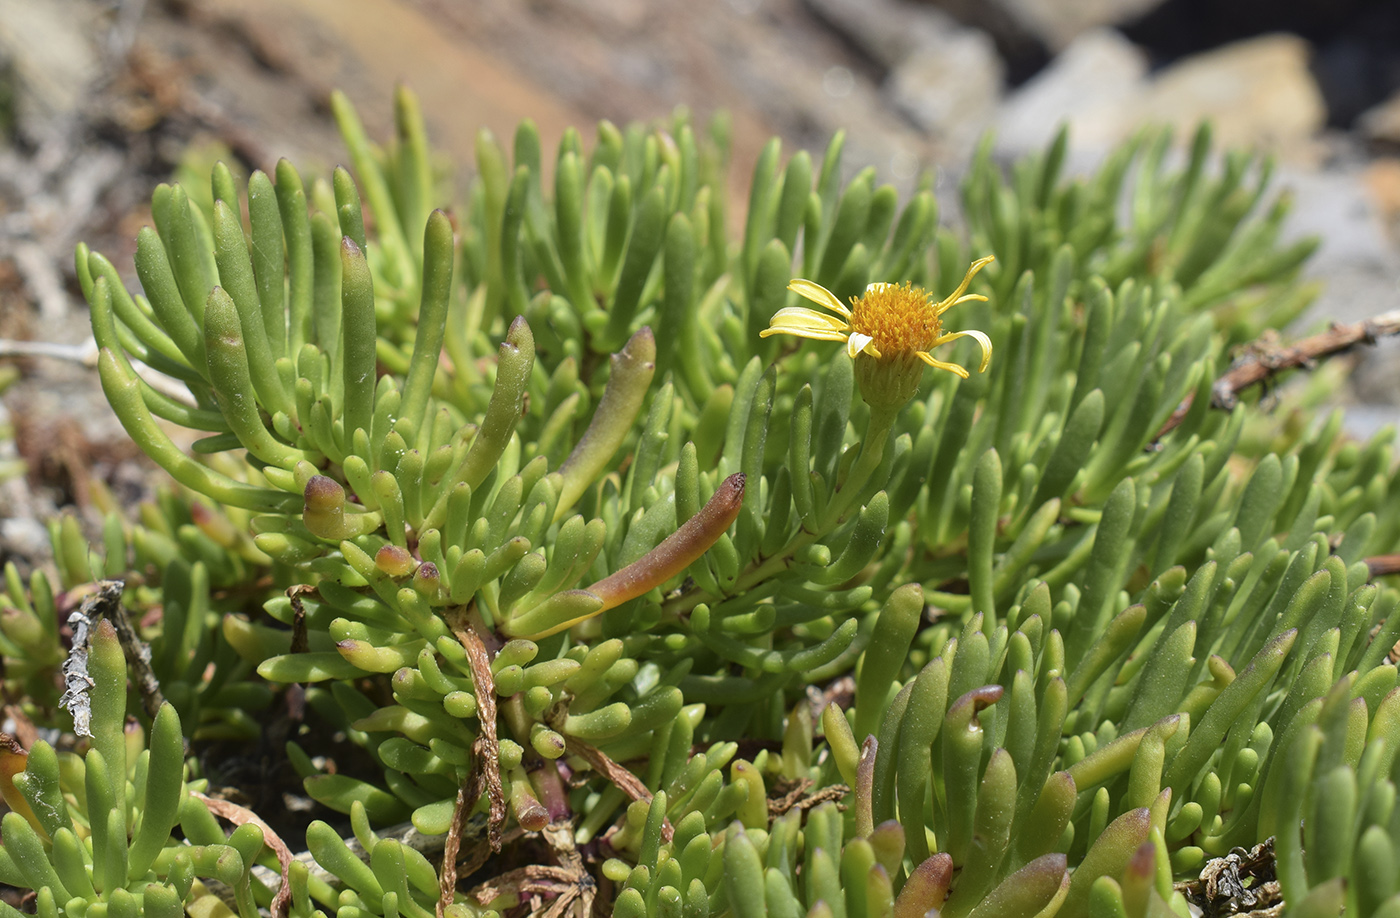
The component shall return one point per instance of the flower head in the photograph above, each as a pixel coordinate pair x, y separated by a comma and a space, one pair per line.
896, 325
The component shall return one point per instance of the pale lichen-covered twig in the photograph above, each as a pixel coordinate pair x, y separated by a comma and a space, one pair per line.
105, 601
76, 680
86, 354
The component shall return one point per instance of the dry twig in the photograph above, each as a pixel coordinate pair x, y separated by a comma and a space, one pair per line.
623, 779
487, 748
299, 639
486, 755
138, 652
1262, 360
25, 732
1243, 883
1381, 565
238, 815
795, 796
467, 796
569, 883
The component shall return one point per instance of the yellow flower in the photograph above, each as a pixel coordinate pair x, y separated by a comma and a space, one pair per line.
892, 323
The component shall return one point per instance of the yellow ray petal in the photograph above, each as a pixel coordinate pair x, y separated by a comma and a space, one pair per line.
945, 304
819, 295
816, 334
980, 338
802, 317
941, 365
858, 342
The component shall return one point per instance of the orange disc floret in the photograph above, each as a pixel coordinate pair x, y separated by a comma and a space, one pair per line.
898, 318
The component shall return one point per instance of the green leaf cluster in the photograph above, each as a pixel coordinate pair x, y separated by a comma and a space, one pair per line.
528, 499
91, 834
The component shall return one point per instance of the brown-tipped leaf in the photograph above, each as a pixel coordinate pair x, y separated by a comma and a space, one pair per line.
677, 551
926, 888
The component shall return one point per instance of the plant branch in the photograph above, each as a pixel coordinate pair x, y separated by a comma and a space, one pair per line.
238, 815
486, 760
623, 779
1382, 565
488, 747
104, 596
138, 652
1262, 359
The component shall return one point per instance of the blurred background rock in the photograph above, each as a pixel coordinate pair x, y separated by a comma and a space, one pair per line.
101, 100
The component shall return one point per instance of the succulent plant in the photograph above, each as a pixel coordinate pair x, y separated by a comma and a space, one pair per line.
188, 641
549, 513
92, 834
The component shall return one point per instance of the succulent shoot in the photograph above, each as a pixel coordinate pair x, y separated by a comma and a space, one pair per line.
534, 506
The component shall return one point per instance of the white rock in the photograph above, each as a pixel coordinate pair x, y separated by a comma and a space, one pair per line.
1360, 273
1059, 22
24, 537
887, 30
1092, 84
949, 86
942, 77
1337, 206
1382, 122
1257, 93
51, 50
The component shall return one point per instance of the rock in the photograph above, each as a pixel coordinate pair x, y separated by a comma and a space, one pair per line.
809, 97
1028, 33
1381, 124
25, 541
1059, 22
1375, 385
604, 16
889, 31
1258, 94
1357, 259
1360, 271
1382, 179
49, 47
950, 87
1091, 85
944, 77
363, 47
1354, 59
